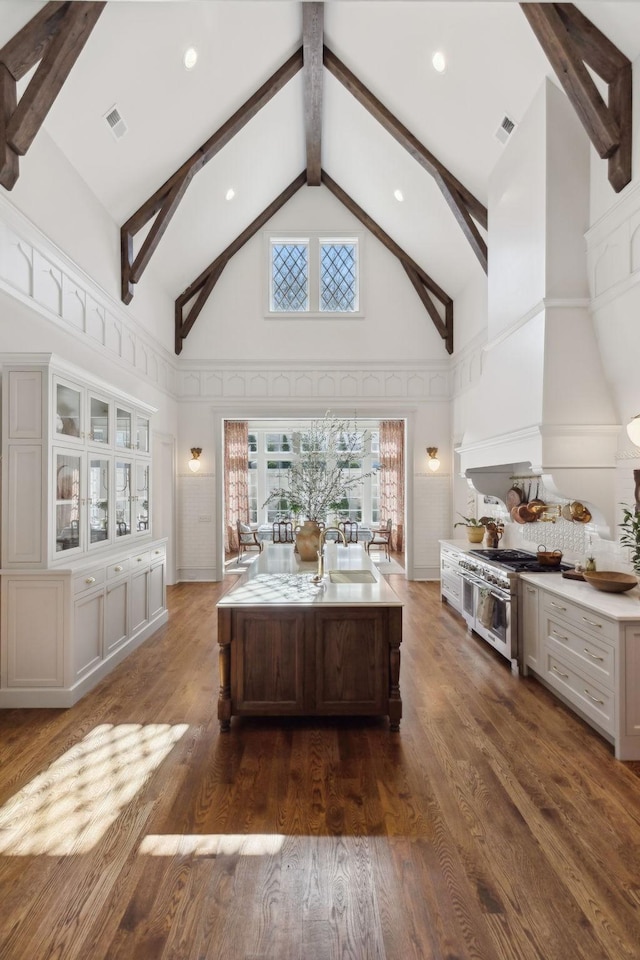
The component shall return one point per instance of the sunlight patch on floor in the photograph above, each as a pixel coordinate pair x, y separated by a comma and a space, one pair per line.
68, 808
212, 845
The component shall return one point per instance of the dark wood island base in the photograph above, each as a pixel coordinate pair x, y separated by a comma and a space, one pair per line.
288, 661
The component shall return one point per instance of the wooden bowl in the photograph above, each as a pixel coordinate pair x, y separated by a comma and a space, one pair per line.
610, 581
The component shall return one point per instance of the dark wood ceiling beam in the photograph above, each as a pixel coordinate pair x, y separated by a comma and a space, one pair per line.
425, 285
405, 138
312, 43
60, 54
162, 201
204, 284
27, 47
570, 41
463, 217
158, 228
53, 38
9, 161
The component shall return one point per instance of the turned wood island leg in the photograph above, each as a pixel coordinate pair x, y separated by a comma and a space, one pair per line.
224, 666
395, 639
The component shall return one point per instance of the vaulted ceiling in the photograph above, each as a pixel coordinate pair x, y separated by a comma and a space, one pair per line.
133, 60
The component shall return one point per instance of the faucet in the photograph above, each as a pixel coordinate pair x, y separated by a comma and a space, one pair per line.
323, 536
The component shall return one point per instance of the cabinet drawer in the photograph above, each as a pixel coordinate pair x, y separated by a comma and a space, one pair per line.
88, 581
118, 568
580, 617
592, 656
158, 553
594, 700
141, 560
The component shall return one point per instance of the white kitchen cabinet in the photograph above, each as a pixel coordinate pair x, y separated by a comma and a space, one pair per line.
450, 579
587, 651
529, 630
76, 519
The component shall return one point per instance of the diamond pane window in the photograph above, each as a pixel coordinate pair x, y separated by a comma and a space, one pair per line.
338, 277
289, 277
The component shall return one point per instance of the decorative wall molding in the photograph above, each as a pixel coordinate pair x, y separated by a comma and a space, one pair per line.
330, 380
613, 250
40, 275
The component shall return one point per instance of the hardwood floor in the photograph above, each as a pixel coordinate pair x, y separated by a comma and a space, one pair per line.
494, 826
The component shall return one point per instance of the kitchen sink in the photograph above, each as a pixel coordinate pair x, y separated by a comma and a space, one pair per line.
351, 576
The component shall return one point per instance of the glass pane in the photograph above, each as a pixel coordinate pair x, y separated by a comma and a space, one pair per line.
142, 496
98, 500
123, 428
67, 502
67, 411
289, 277
123, 499
142, 434
338, 277
99, 426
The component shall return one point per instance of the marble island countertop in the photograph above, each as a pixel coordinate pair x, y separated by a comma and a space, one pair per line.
278, 576
617, 606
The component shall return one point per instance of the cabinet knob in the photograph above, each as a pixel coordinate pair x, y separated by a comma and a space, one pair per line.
90, 580
139, 559
117, 569
157, 552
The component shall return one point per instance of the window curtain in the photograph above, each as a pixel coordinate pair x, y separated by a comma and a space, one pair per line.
236, 478
392, 478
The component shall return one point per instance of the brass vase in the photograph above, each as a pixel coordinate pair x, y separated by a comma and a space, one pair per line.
308, 540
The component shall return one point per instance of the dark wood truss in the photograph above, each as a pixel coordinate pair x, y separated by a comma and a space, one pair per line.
164, 202
198, 292
571, 43
53, 38
312, 41
463, 203
424, 285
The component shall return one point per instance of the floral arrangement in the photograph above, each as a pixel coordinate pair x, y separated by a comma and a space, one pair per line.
321, 476
631, 535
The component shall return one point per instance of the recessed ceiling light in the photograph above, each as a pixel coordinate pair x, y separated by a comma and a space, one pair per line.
439, 62
190, 58
230, 194
398, 194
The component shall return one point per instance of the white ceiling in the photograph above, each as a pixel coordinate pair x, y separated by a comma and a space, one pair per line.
133, 59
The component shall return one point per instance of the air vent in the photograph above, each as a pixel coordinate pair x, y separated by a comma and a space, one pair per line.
506, 128
115, 123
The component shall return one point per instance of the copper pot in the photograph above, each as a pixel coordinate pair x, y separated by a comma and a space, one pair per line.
548, 558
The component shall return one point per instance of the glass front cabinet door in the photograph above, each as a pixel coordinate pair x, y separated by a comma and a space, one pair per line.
68, 486
99, 425
124, 429
142, 497
68, 410
123, 498
142, 434
98, 499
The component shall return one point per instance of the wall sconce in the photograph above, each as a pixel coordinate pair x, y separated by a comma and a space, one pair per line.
633, 429
194, 463
434, 463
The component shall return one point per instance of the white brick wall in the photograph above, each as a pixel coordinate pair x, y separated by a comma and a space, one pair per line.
196, 526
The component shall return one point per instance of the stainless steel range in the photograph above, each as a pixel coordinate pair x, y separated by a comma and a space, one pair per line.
490, 594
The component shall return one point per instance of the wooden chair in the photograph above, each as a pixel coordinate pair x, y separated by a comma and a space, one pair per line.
381, 538
247, 538
282, 531
350, 530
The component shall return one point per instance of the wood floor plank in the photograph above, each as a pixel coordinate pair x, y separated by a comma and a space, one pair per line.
495, 826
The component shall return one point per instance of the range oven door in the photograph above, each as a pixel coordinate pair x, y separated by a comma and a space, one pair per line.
470, 585
494, 618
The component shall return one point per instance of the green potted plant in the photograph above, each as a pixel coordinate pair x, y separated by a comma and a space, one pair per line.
475, 528
631, 535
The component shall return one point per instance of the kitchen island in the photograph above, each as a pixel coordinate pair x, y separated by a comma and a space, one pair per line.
293, 647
